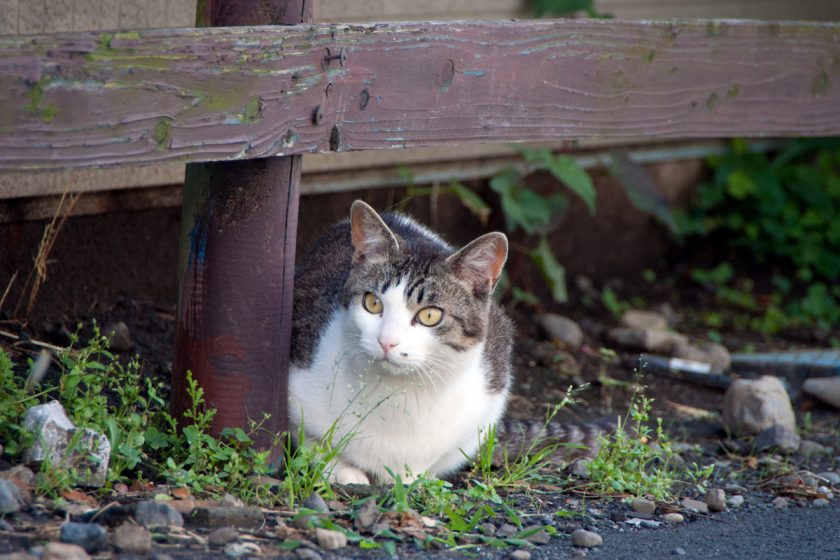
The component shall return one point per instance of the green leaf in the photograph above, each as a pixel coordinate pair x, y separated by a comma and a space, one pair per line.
474, 203
739, 185
575, 177
552, 271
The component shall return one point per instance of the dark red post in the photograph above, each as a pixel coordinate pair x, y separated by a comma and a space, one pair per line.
238, 230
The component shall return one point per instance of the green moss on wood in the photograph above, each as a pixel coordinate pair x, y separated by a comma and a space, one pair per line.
36, 97
253, 111
712, 101
161, 134
819, 85
733, 91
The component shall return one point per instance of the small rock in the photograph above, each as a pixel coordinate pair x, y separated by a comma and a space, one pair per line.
715, 499
316, 502
6, 526
735, 501
810, 481
673, 518
90, 536
11, 498
820, 502
649, 340
580, 468
487, 529
368, 515
54, 434
558, 327
832, 477
716, 355
780, 503
18, 556
20, 475
694, 506
579, 553
226, 516
132, 539
753, 405
151, 514
642, 515
330, 540
506, 531
679, 551
826, 389
520, 554
119, 336
230, 500
778, 437
808, 448
643, 522
238, 550
638, 319
642, 505
540, 537
304, 553
588, 539
222, 536
64, 551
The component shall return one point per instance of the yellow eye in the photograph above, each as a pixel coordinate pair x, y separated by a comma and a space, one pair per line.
430, 316
372, 303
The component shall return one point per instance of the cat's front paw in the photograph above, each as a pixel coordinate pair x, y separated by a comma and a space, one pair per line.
348, 474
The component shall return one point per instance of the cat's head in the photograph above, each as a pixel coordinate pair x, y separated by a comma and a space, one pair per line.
418, 305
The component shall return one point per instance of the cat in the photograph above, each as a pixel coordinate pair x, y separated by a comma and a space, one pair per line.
397, 340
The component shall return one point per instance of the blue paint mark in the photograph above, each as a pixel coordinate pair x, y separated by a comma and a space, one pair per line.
198, 243
476, 73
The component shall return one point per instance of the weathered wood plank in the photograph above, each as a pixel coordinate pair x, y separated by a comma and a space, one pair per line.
93, 99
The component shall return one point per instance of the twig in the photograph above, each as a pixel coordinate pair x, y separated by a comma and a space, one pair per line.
34, 342
8, 289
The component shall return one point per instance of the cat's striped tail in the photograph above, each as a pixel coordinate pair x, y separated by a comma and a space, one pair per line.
567, 441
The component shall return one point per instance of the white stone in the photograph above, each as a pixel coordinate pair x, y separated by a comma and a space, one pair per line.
638, 319
827, 389
330, 540
588, 539
558, 327
54, 432
753, 405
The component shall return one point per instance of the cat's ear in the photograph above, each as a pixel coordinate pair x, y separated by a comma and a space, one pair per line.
370, 234
480, 262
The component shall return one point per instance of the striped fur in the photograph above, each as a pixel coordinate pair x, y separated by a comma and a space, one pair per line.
574, 440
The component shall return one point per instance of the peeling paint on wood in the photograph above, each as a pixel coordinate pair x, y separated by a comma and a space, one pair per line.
238, 93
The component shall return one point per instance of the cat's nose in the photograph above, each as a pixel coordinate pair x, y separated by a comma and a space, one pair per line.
386, 344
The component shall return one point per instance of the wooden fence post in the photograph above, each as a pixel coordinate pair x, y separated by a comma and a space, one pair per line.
237, 257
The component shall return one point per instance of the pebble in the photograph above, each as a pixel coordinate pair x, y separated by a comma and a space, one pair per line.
226, 516
753, 405
694, 506
715, 499
330, 540
780, 503
119, 336
580, 468
642, 505
6, 526
679, 551
638, 522
222, 536
673, 518
64, 551
367, 515
316, 502
588, 539
238, 550
832, 477
90, 536
540, 537
520, 555
827, 491
558, 327
820, 502
712, 353
11, 498
808, 448
735, 501
304, 553
506, 531
810, 481
231, 501
487, 529
779, 437
18, 556
151, 513
132, 539
639, 319
826, 389
651, 340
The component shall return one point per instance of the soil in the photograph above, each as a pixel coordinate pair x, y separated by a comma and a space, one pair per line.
605, 383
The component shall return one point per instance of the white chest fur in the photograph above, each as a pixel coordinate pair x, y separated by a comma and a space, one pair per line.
412, 422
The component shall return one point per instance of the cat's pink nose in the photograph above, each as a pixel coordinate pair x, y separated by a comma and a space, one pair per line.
386, 344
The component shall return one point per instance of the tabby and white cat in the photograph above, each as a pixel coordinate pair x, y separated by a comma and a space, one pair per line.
396, 340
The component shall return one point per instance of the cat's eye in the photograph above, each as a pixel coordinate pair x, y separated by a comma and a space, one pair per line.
372, 303
430, 316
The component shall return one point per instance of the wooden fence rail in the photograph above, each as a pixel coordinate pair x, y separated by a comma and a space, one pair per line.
140, 97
